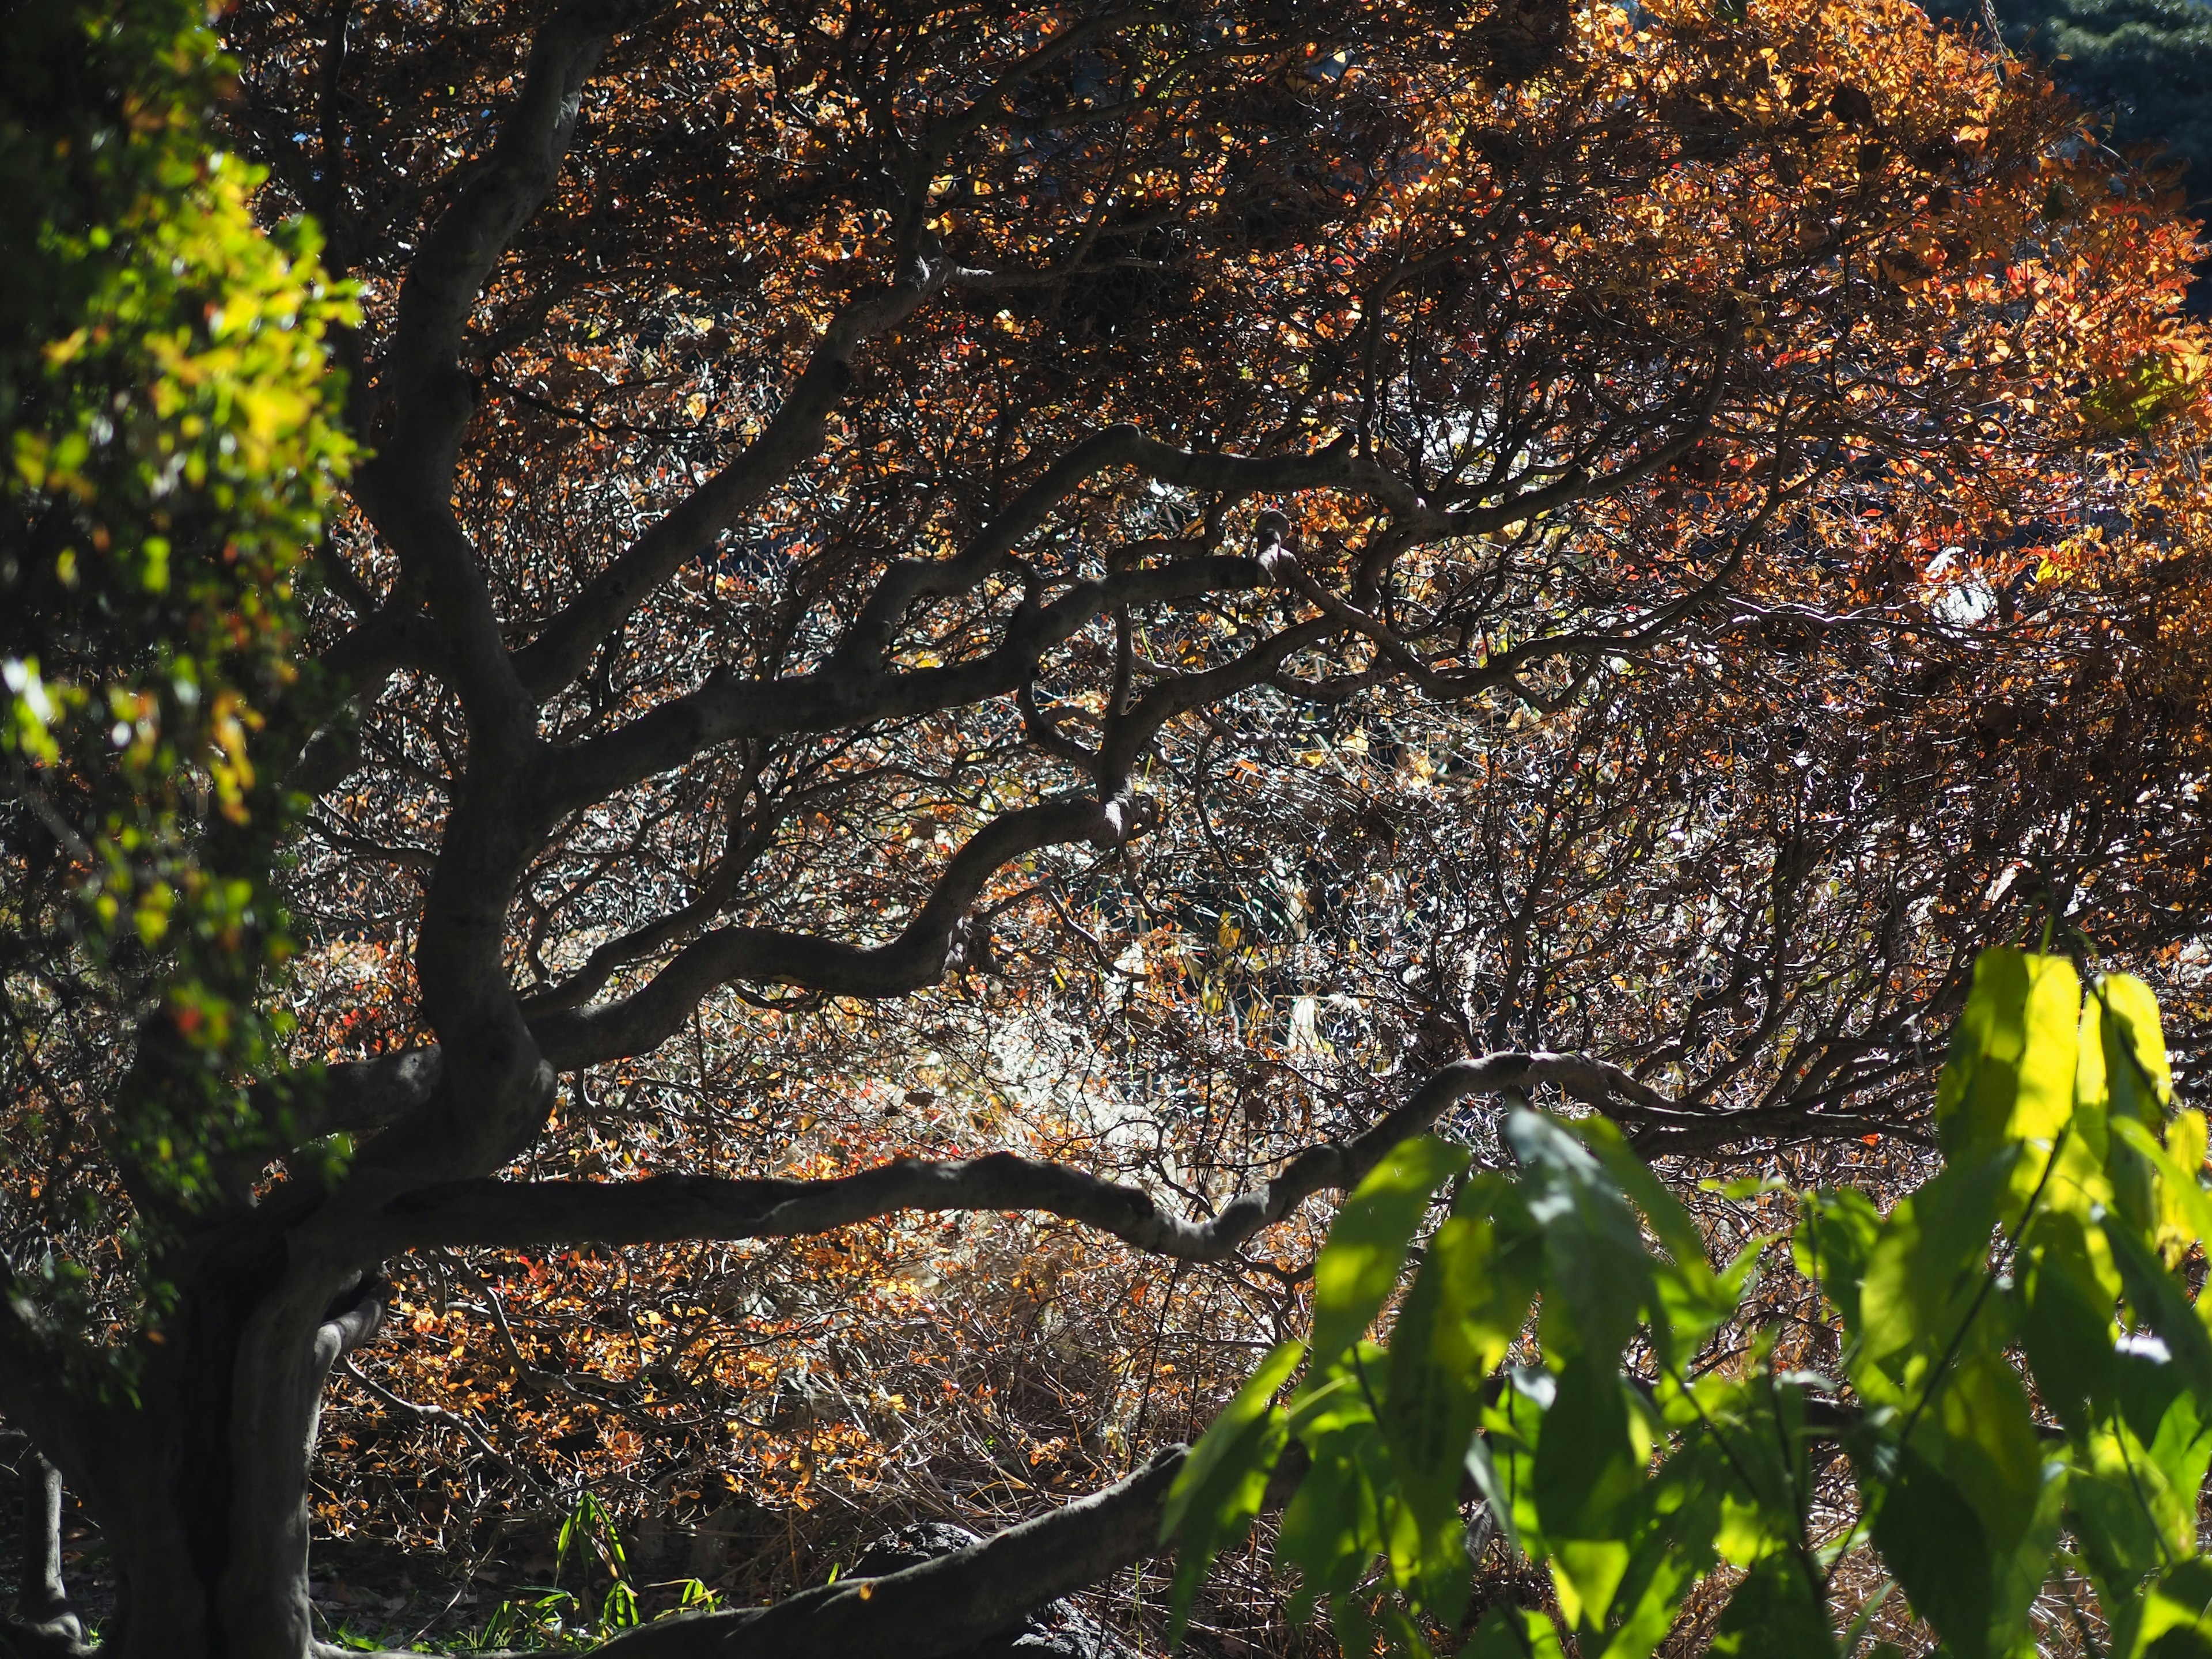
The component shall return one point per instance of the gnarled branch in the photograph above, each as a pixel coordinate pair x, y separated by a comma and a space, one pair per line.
773, 955
941, 1605
842, 696
668, 1209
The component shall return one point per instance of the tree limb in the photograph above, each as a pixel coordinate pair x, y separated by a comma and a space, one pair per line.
350, 1096
915, 958
458, 257
405, 487
42, 1598
563, 648
848, 693
946, 1604
668, 1209
941, 1605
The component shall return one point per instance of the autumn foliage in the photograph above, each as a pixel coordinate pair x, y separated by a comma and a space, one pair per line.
972, 642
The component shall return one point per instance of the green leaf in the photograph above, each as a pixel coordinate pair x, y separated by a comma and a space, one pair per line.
1964, 1496
1692, 1299
1754, 1454
2179, 1448
2173, 1620
1932, 1543
2188, 1206
1925, 1270
1223, 1480
1837, 1232
1672, 1550
1467, 1305
1494, 1283
2023, 1567
2127, 1520
1355, 1630
1586, 1469
1512, 1428
1586, 1572
2138, 1072
2134, 1489
1366, 1248
1339, 1396
1598, 1272
1329, 1532
2010, 1075
1775, 1613
1431, 1407
1669, 1219
1513, 1633
1482, 1469
2067, 1296
1980, 1428
2161, 1302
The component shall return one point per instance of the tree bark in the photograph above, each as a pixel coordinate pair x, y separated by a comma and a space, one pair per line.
42, 1598
44, 1622
197, 1474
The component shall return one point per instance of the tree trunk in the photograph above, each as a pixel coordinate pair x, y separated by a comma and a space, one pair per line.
200, 1484
42, 1598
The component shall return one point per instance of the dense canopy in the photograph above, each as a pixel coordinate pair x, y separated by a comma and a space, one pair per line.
1042, 617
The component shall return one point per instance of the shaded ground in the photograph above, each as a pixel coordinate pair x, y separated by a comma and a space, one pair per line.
518, 1591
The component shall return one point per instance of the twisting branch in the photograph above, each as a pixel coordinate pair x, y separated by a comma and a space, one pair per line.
458, 257
843, 695
495, 1089
954, 1602
563, 648
773, 955
350, 1096
950, 1603
854, 687
669, 1209
869, 640
430, 396
42, 1598
942, 1606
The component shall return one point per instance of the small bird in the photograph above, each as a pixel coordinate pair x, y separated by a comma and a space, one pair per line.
1273, 547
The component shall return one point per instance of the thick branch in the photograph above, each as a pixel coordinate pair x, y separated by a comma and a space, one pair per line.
952, 1603
40, 1365
21, 1640
853, 690
869, 641
563, 648
668, 1209
406, 488
350, 1096
942, 1606
458, 257
842, 696
42, 1599
395, 637
770, 955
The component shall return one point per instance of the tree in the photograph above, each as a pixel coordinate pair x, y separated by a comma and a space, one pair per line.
162, 380
861, 508
163, 386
